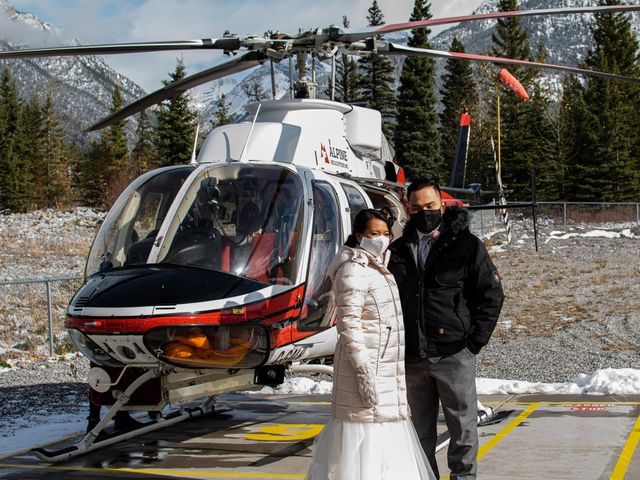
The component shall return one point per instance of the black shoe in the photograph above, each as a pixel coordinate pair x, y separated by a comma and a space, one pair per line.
91, 423
123, 422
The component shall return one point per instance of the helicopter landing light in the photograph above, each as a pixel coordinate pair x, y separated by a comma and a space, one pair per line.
99, 380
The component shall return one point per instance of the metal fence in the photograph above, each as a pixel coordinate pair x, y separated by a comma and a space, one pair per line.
565, 213
48, 291
591, 212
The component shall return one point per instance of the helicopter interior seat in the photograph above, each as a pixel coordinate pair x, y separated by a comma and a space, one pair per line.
263, 263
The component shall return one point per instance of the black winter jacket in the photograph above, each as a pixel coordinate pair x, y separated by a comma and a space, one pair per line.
455, 301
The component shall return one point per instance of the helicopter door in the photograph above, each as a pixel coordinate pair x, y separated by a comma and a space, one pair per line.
325, 241
355, 198
384, 199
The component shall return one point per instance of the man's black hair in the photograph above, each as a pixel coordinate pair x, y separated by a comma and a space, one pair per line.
421, 183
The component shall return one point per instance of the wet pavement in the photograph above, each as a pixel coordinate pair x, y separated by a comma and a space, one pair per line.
271, 436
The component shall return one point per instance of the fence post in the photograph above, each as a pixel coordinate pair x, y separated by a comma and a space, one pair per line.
638, 213
50, 315
564, 213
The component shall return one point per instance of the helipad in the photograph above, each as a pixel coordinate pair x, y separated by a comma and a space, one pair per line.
271, 436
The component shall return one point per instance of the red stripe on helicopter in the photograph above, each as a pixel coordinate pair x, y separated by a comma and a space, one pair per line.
271, 311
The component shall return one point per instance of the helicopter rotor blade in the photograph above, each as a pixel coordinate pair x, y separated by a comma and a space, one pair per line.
231, 43
351, 37
238, 64
395, 49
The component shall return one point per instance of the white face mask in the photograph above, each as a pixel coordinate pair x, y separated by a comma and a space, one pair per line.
375, 246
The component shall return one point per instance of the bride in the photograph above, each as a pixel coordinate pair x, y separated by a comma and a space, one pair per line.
370, 435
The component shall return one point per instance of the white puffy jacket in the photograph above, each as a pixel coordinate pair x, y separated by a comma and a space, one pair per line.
369, 381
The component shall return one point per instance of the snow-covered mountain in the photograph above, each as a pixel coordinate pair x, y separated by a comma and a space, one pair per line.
82, 87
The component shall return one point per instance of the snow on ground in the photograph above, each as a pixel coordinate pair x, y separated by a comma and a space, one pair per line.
625, 233
298, 386
608, 381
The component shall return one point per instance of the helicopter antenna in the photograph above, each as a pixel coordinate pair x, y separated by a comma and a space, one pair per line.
333, 77
195, 141
291, 76
273, 79
246, 143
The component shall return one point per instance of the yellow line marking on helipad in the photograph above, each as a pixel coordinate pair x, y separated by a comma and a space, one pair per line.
507, 430
627, 453
561, 403
159, 472
286, 432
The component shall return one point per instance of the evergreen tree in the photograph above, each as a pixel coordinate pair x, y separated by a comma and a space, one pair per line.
608, 148
90, 178
176, 125
57, 189
30, 146
376, 81
253, 90
577, 128
416, 139
480, 157
347, 77
525, 138
458, 92
116, 167
144, 157
15, 171
221, 114
115, 140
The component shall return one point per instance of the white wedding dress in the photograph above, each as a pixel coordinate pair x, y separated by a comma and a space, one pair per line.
369, 451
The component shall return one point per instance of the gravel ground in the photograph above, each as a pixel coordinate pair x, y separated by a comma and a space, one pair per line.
571, 307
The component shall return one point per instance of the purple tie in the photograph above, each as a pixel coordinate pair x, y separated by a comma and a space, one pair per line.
425, 245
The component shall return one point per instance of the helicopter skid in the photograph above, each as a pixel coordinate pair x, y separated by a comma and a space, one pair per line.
177, 387
96, 439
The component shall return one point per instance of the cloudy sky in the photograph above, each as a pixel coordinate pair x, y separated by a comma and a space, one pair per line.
115, 21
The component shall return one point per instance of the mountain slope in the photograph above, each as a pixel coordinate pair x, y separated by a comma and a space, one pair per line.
81, 86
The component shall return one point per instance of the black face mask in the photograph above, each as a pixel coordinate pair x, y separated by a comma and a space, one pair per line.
426, 220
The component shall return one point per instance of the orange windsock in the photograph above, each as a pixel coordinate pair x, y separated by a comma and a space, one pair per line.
512, 82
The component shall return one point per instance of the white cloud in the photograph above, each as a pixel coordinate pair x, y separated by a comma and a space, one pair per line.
111, 21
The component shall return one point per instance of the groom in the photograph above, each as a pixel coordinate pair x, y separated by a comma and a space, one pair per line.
451, 298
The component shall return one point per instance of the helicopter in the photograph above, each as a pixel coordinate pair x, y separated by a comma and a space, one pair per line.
211, 277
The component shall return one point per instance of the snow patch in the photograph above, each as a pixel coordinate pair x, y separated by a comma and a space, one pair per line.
298, 386
557, 235
498, 249
609, 381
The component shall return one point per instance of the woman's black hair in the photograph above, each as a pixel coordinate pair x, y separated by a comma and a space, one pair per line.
362, 220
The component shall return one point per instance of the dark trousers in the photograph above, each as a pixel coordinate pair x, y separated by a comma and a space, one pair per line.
451, 380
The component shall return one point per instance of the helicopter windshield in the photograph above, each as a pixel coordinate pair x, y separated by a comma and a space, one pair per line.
240, 219
129, 229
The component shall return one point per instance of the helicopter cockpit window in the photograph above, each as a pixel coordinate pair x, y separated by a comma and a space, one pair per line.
240, 219
325, 242
129, 229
